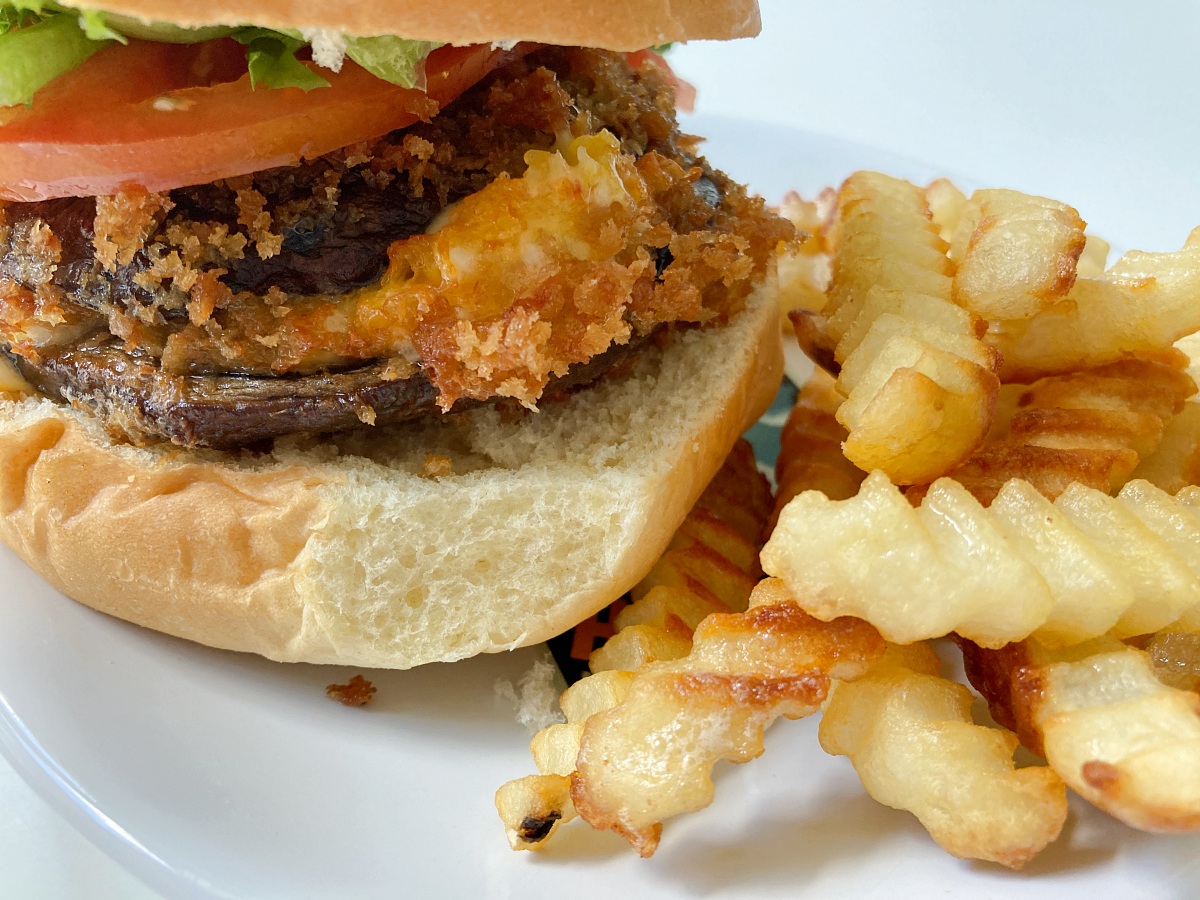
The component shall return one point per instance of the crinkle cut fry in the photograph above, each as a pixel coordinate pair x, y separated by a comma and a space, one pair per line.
920, 385
1116, 734
810, 448
710, 566
650, 757
909, 734
1017, 254
1069, 570
1091, 426
1175, 463
1143, 303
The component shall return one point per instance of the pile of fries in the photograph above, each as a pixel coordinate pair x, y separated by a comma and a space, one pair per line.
1000, 445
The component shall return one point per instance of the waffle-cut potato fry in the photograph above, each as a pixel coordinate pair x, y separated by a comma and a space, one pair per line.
920, 385
1067, 571
1116, 734
739, 494
711, 566
1176, 462
1016, 253
1143, 303
946, 204
1091, 427
533, 807
635, 646
1148, 391
910, 736
810, 448
714, 554
1190, 347
651, 756
702, 569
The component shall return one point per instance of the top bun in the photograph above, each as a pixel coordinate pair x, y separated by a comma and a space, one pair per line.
610, 25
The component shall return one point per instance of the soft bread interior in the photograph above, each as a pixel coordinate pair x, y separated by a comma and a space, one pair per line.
345, 552
612, 25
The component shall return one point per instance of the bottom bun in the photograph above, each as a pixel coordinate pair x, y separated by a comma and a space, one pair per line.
351, 551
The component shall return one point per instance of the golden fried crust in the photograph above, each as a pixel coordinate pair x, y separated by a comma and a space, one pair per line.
614, 25
344, 552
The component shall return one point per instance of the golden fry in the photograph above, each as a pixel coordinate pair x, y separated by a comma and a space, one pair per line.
710, 566
1091, 427
810, 448
650, 757
910, 736
1115, 733
1067, 571
1016, 254
920, 386
1142, 304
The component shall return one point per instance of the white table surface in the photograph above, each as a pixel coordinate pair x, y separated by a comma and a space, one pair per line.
1089, 102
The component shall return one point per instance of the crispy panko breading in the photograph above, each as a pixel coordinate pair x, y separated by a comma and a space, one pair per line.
1091, 427
358, 691
1115, 733
1066, 571
920, 386
909, 734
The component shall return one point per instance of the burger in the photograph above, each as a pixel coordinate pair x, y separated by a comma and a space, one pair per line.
373, 333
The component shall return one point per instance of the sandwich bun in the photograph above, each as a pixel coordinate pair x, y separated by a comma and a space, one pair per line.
358, 550
610, 25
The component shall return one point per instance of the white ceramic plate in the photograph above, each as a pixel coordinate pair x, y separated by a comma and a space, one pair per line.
213, 774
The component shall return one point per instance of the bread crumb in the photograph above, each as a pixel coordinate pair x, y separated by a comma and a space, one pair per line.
536, 695
357, 692
253, 216
124, 222
437, 466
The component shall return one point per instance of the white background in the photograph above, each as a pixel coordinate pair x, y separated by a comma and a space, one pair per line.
1089, 102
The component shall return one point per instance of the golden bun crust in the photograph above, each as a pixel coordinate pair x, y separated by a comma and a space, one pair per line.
343, 552
612, 25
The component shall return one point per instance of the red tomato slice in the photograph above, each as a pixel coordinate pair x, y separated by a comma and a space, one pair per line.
161, 116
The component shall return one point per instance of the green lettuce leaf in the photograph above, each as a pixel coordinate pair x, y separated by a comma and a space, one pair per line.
32, 55
95, 26
271, 58
19, 14
395, 60
40, 40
